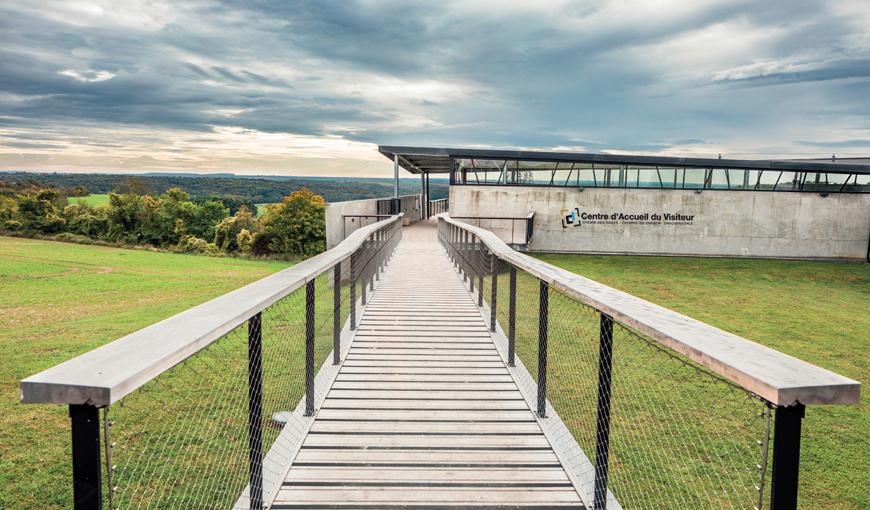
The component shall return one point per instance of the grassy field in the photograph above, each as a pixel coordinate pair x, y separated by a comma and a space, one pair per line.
59, 300
261, 209
91, 200
816, 311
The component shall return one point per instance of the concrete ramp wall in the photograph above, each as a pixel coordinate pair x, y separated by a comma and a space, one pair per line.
337, 228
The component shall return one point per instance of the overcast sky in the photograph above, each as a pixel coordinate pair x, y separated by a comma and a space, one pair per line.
311, 88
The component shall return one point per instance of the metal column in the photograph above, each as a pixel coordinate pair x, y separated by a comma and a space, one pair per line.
543, 312
309, 348
512, 317
255, 410
336, 314
602, 422
786, 457
86, 470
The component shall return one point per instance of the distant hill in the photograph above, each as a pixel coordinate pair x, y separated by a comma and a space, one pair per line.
256, 189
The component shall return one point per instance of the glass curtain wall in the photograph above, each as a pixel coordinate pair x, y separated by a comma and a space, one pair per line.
500, 172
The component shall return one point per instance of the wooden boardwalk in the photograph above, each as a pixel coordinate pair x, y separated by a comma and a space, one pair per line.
423, 412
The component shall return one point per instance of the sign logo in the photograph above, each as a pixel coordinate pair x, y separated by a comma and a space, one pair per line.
575, 217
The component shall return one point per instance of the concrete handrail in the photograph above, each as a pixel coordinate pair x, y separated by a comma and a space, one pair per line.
776, 377
106, 374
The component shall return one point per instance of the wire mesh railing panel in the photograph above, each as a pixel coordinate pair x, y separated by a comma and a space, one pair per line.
572, 378
527, 319
655, 430
220, 428
181, 441
680, 436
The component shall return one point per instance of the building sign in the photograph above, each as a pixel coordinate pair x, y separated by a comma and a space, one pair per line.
576, 218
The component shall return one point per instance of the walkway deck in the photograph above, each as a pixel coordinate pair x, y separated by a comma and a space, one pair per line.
423, 412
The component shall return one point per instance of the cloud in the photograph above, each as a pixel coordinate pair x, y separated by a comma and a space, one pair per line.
779, 72
88, 76
175, 82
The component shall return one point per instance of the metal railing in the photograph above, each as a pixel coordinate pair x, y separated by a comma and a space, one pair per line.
645, 408
205, 409
409, 205
357, 221
442, 205
514, 231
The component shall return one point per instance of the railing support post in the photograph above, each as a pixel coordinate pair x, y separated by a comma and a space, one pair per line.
543, 312
336, 314
512, 317
786, 457
255, 411
309, 348
493, 299
353, 291
602, 425
86, 470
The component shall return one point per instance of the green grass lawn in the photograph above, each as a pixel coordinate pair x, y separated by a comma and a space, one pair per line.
91, 200
816, 311
261, 209
60, 300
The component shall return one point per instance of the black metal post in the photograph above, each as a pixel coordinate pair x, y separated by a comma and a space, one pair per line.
86, 471
543, 312
255, 410
786, 457
493, 299
463, 252
353, 291
602, 423
363, 280
336, 314
309, 348
512, 318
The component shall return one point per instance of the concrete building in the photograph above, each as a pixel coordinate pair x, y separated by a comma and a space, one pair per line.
602, 203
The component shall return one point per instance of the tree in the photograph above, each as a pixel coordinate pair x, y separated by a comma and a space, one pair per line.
227, 232
40, 211
296, 226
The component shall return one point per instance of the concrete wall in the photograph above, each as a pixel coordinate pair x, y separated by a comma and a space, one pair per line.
335, 227
713, 223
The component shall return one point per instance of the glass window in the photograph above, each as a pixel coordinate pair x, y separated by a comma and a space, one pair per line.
608, 175
693, 178
670, 177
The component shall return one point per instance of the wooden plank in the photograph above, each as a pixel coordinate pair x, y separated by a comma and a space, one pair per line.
418, 329
424, 385
422, 358
429, 495
426, 395
458, 404
386, 370
457, 441
468, 352
469, 414
417, 474
427, 343
410, 427
426, 457
425, 364
345, 376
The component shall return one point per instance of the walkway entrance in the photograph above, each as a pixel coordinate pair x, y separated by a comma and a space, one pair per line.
423, 410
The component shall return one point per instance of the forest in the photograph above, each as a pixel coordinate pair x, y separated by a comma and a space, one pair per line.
228, 187
171, 220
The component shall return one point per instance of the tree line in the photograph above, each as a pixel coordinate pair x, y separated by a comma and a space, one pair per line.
171, 220
242, 190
